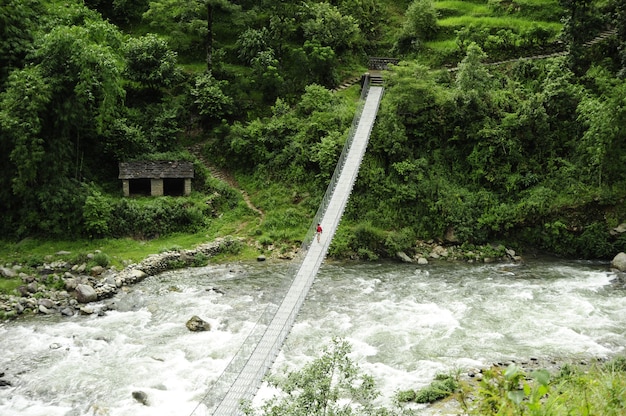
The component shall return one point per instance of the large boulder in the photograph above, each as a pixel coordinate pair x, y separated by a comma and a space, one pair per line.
8, 273
141, 397
404, 257
86, 294
196, 324
619, 229
619, 262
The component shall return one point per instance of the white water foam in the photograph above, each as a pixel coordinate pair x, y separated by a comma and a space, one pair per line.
405, 324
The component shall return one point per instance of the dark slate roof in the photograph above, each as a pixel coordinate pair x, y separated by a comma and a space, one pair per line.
158, 169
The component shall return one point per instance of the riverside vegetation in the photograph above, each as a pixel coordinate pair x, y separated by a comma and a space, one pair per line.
528, 154
504, 389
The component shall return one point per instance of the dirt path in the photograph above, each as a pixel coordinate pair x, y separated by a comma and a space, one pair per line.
225, 176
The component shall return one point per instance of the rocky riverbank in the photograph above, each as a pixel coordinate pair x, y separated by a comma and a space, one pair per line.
59, 286
62, 287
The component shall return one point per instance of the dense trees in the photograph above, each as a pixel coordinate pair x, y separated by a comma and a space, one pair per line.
531, 152
53, 112
420, 25
498, 158
19, 19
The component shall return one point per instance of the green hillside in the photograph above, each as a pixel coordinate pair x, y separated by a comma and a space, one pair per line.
529, 153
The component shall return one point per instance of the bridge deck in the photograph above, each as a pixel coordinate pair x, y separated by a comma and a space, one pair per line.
262, 357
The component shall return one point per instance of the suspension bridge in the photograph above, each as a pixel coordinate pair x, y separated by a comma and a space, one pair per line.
245, 372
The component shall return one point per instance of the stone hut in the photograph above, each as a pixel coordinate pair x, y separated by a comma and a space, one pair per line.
156, 178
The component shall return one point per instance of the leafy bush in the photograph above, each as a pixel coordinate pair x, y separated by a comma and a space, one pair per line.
402, 240
199, 260
597, 390
97, 214
232, 246
331, 384
151, 217
594, 242
35, 260
368, 241
420, 25
442, 387
405, 396
55, 282
101, 259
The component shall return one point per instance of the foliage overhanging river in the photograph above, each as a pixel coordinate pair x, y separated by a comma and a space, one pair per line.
406, 323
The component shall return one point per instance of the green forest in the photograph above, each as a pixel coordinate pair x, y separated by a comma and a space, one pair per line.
502, 123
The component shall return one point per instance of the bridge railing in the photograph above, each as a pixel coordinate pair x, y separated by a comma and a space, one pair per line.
219, 388
342, 159
381, 63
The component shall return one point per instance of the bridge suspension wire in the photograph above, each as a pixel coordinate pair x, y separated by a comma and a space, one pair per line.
244, 374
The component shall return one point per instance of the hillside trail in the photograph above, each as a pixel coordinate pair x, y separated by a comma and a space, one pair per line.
225, 176
600, 37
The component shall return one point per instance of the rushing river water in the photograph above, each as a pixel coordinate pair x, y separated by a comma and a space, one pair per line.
406, 323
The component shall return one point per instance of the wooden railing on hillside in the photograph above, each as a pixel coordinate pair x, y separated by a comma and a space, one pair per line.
380, 64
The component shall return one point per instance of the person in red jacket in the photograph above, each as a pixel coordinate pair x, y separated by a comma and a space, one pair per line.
318, 231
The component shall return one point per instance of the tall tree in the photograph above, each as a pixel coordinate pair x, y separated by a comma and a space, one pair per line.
580, 23
329, 385
188, 23
18, 21
620, 26
420, 24
473, 77
151, 62
54, 114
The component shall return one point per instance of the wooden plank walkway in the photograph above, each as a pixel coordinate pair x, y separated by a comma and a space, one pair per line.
263, 354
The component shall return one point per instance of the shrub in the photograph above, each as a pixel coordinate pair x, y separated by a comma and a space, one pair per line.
199, 260
368, 240
400, 240
55, 282
442, 387
232, 246
97, 214
152, 217
78, 258
101, 259
405, 396
35, 260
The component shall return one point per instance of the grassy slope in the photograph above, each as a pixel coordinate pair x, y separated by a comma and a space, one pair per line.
454, 15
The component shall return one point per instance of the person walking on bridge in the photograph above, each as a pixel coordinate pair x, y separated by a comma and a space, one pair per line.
318, 231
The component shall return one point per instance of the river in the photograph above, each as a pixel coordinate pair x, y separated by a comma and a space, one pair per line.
406, 323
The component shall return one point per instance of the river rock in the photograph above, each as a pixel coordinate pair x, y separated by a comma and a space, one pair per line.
47, 303
71, 283
141, 397
619, 229
619, 262
46, 311
196, 324
7, 272
450, 236
97, 270
137, 274
403, 257
86, 294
